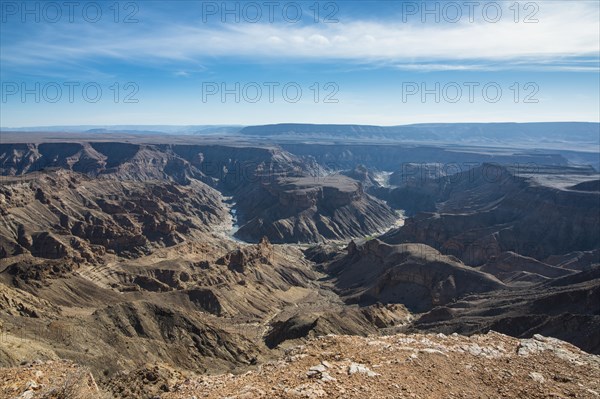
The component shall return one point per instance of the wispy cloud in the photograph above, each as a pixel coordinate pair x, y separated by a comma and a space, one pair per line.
566, 31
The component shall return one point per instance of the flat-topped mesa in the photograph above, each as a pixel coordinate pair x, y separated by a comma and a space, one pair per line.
305, 192
295, 200
312, 209
494, 209
342, 196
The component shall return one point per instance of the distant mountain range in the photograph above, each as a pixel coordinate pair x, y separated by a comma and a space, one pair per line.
131, 129
476, 133
563, 135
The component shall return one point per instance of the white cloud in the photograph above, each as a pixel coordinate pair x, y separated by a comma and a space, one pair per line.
275, 40
319, 40
566, 30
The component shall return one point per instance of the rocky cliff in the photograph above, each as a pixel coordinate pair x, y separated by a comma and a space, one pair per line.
311, 209
62, 214
414, 275
479, 214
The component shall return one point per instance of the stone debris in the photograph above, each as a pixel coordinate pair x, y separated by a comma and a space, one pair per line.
351, 367
306, 391
27, 395
433, 366
320, 368
539, 343
327, 378
537, 377
360, 368
48, 380
432, 351
320, 372
326, 364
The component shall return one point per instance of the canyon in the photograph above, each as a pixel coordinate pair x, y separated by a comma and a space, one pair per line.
153, 269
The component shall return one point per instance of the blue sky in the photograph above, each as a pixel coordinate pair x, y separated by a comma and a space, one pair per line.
355, 62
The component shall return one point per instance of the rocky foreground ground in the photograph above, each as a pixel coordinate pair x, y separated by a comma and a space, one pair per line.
395, 366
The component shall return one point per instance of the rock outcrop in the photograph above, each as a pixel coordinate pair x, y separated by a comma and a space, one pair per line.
566, 308
489, 210
228, 166
413, 366
63, 214
311, 209
512, 268
338, 366
414, 275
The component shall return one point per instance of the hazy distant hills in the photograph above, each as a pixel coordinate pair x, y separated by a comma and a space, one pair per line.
131, 129
579, 142
569, 133
476, 133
